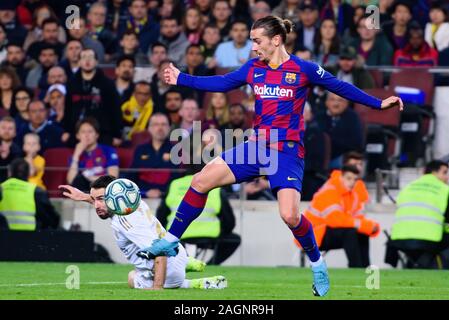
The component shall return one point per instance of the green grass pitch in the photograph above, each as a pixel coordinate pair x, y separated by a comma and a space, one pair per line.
108, 281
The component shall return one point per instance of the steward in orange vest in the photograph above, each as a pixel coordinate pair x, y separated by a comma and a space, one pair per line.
335, 213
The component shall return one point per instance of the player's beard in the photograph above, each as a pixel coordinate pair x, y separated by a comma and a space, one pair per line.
102, 214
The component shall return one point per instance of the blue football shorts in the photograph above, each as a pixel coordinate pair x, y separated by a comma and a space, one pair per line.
252, 159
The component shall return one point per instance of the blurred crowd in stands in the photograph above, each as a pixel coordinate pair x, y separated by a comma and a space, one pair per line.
84, 95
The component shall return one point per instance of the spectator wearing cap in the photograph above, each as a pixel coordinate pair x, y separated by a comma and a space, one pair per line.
308, 16
56, 101
340, 12
234, 53
288, 9
50, 134
174, 39
37, 77
141, 23
124, 72
71, 60
371, 44
396, 30
50, 29
81, 33
14, 30
417, 52
348, 71
15, 58
437, 30
96, 18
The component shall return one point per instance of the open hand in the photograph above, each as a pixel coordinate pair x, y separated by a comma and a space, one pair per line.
74, 193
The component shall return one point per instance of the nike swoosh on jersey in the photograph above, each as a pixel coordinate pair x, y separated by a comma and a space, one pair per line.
290, 178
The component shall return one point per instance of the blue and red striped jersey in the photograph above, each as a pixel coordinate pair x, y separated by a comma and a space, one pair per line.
280, 95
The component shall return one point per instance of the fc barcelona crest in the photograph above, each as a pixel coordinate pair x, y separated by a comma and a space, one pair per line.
290, 77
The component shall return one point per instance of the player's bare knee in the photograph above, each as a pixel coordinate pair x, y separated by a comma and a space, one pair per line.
290, 218
199, 183
131, 275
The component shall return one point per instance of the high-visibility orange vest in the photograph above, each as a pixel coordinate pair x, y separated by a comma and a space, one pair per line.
360, 193
333, 206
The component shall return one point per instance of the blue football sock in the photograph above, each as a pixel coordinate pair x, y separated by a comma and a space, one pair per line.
303, 232
190, 208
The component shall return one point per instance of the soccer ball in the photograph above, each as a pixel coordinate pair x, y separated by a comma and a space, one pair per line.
122, 197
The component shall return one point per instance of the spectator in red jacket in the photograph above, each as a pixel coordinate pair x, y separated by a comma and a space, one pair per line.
417, 53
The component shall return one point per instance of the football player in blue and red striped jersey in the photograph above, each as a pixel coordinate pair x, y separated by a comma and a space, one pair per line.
281, 83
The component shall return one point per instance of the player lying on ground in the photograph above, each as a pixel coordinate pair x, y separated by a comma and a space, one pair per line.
281, 82
138, 230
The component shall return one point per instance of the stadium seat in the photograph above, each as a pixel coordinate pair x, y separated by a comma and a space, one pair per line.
139, 138
418, 121
125, 157
415, 78
236, 96
109, 72
56, 167
381, 127
378, 77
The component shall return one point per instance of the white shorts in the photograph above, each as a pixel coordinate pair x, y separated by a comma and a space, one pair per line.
176, 273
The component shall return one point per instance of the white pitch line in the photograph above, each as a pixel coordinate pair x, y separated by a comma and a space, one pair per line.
57, 284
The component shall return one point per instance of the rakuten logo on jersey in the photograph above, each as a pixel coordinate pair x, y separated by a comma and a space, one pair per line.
276, 92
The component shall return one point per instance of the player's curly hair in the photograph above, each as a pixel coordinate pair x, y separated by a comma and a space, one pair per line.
274, 26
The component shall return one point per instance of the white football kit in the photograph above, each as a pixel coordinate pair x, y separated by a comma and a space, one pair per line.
137, 231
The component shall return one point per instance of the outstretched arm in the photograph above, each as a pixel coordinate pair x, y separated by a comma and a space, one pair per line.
75, 194
222, 83
318, 76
